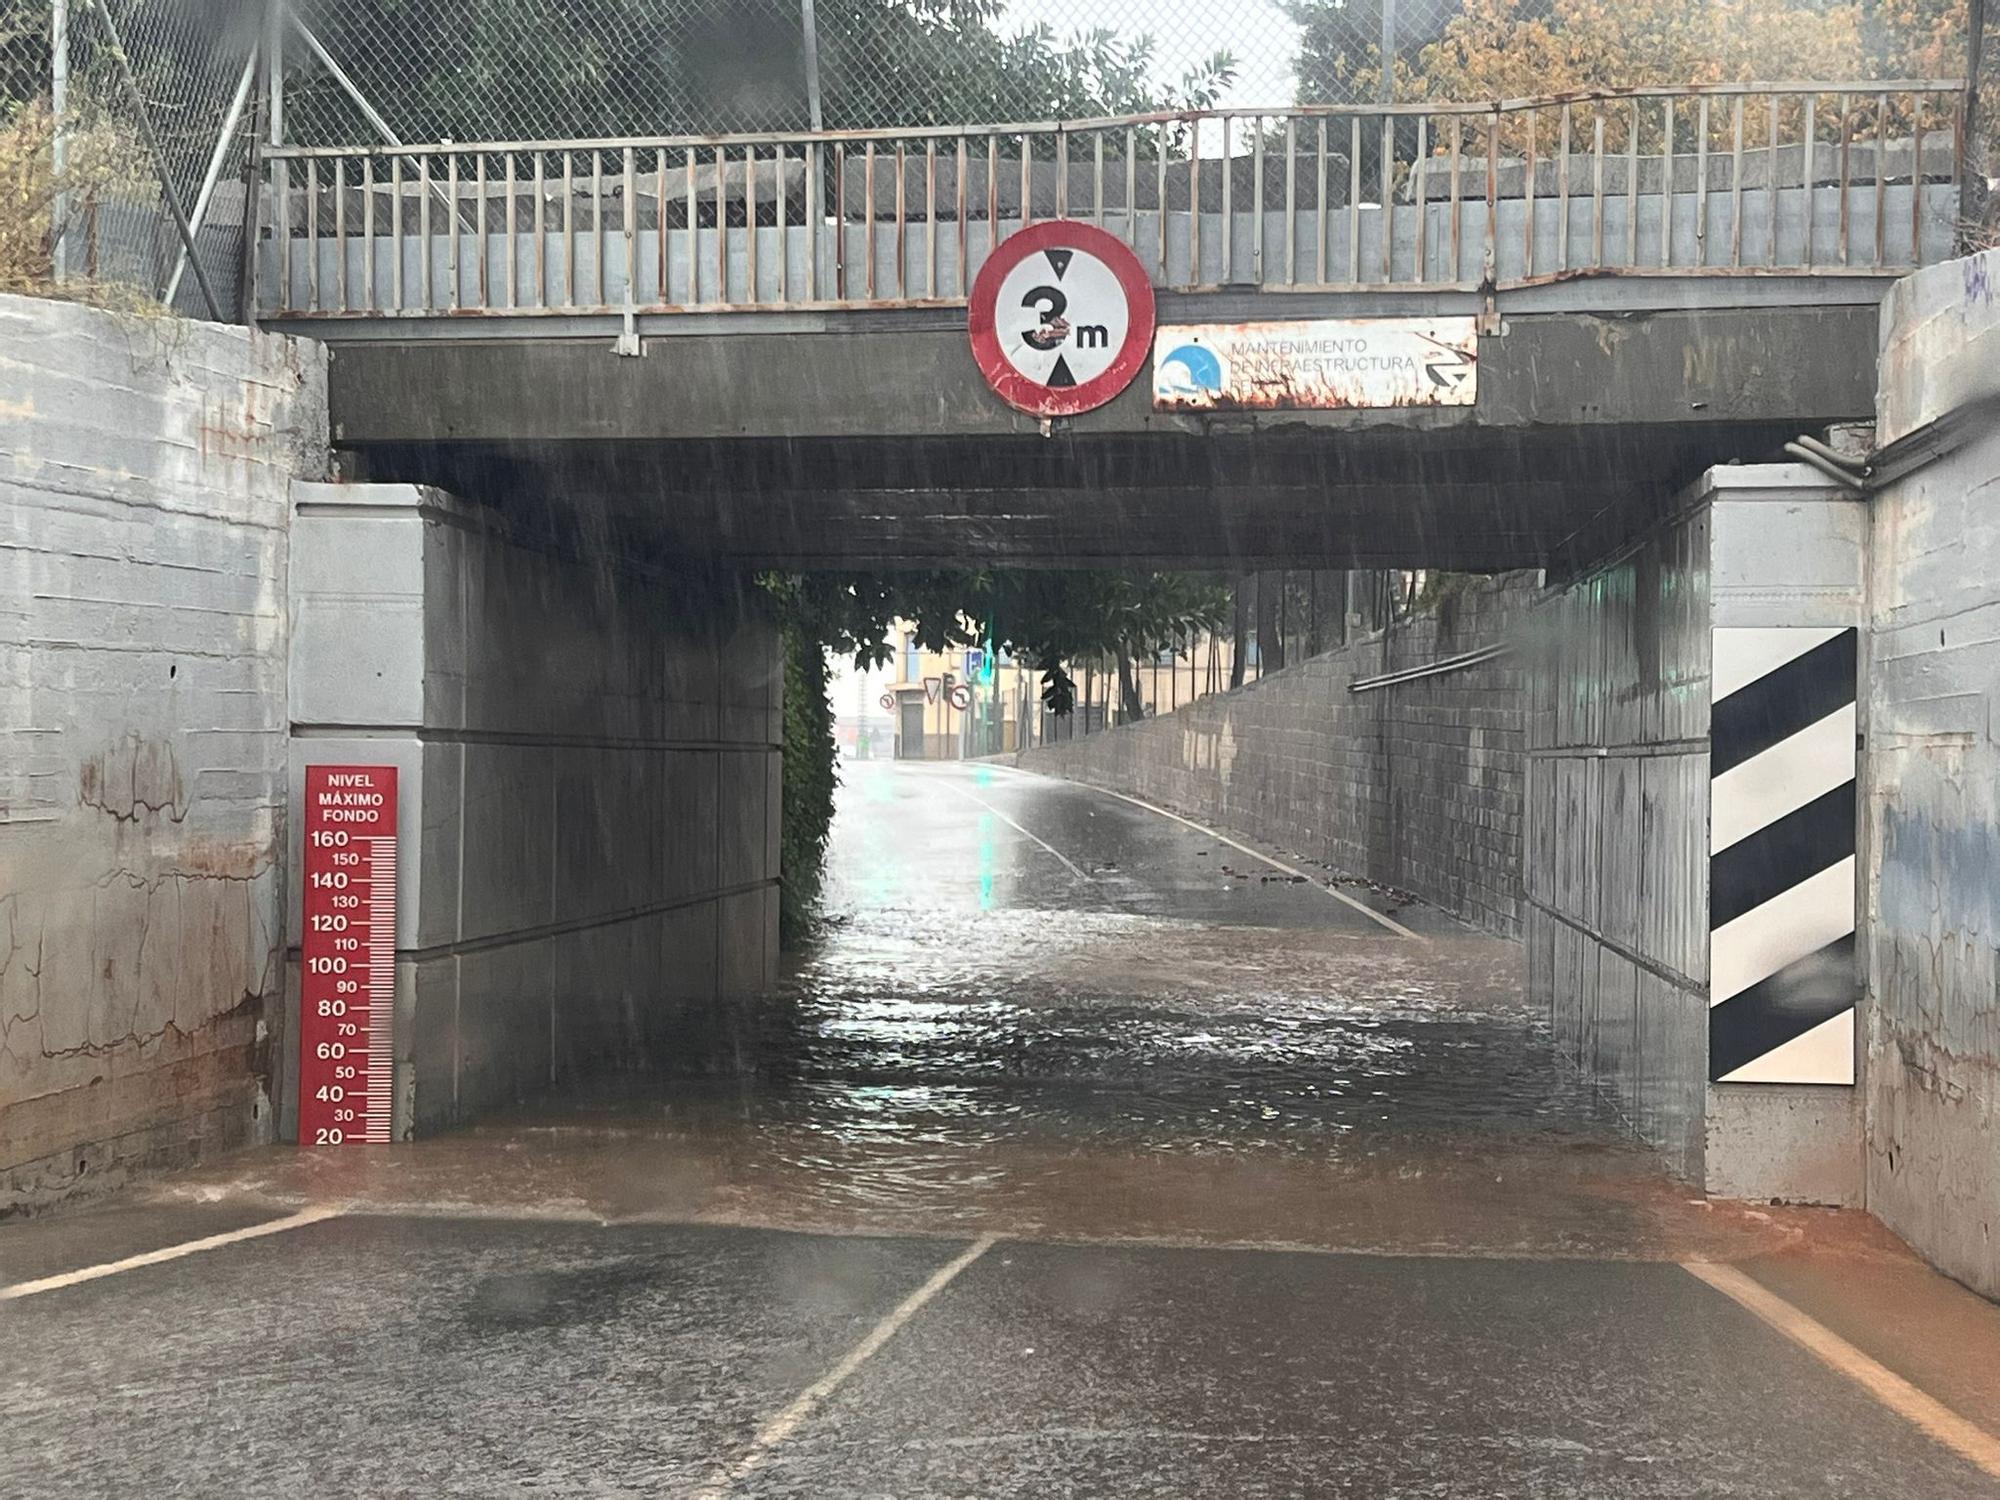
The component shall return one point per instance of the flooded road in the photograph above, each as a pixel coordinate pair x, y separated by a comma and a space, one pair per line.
1016, 969
1012, 958
1042, 1008
1088, 1154
1037, 1007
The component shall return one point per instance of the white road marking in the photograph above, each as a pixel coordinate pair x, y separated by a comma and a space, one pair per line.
786, 1422
298, 1220
1277, 864
1045, 846
1975, 1445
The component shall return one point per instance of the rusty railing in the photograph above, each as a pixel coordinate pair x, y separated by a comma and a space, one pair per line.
1725, 179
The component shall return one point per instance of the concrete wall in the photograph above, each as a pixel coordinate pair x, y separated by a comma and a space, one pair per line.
1932, 818
1416, 786
1787, 555
1616, 851
589, 764
144, 471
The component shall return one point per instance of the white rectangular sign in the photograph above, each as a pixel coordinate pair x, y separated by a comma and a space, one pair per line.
1322, 364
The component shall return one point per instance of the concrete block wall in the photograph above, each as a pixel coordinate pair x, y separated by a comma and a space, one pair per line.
145, 468
1417, 786
1931, 817
589, 761
1616, 831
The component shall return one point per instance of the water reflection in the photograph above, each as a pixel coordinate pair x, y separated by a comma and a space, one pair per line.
1006, 1054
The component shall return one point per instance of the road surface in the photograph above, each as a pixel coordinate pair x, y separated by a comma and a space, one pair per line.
1089, 1154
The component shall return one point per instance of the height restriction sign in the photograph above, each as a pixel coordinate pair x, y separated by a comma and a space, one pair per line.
1061, 318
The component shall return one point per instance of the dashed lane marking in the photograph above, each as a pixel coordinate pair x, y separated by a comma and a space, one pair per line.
56, 1283
786, 1422
1974, 1444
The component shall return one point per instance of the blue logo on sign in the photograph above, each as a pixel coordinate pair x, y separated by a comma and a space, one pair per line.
1190, 370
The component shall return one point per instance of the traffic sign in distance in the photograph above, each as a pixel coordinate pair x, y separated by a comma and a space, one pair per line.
961, 697
1061, 318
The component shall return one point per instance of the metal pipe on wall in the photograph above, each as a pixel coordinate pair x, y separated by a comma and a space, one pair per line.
160, 167
809, 29
214, 173
59, 115
274, 69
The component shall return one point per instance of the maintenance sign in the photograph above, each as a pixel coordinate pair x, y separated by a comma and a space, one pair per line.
1323, 364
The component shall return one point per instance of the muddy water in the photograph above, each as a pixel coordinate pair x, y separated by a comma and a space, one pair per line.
1143, 1034
1132, 1074
1038, 1010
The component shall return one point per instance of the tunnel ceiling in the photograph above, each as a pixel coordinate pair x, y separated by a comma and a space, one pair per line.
1481, 502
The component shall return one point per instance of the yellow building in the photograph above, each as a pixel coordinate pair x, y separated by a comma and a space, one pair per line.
948, 706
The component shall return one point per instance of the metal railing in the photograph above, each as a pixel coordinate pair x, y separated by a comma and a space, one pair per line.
1706, 180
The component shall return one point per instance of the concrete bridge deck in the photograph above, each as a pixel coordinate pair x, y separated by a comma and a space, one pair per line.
1670, 279
885, 445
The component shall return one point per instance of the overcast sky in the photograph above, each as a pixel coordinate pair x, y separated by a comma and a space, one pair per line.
1256, 31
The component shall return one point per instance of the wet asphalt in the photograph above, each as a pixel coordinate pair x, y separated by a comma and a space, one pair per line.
1080, 1158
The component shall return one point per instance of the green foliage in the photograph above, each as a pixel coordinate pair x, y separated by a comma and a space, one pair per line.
1042, 618
561, 69
810, 777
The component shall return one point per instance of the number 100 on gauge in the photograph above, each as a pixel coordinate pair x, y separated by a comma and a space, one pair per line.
347, 954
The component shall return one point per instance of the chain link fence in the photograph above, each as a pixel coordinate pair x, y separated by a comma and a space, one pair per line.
104, 101
491, 70
1982, 229
355, 71
470, 70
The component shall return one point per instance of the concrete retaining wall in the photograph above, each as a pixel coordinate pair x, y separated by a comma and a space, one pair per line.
145, 466
1417, 786
589, 765
1932, 818
1617, 820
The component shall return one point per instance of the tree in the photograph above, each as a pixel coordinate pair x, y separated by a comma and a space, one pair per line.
1496, 49
1340, 44
472, 70
1507, 48
1499, 49
1045, 618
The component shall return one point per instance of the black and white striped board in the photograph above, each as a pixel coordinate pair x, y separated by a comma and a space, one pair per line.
1782, 980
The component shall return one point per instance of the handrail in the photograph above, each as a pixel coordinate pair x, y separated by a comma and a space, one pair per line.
1726, 179
1438, 668
1407, 109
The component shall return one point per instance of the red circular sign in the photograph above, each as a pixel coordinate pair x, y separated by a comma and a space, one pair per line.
1061, 318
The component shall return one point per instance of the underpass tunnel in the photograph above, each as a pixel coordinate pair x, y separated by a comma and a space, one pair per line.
1489, 821
783, 815
583, 682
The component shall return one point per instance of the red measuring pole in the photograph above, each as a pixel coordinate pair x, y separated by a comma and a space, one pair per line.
347, 953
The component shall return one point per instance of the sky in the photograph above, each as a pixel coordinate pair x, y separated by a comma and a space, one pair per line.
855, 691
1185, 31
